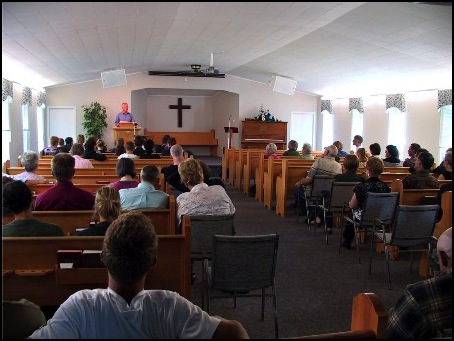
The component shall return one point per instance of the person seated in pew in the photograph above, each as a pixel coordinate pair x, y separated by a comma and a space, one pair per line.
118, 142
149, 150
350, 168
101, 146
325, 165
412, 153
77, 152
375, 150
126, 171
421, 177
306, 152
392, 156
171, 174
292, 149
425, 308
90, 152
30, 160
125, 310
446, 173
64, 196
361, 154
340, 147
164, 144
147, 194
107, 209
129, 151
201, 199
138, 146
440, 169
271, 150
374, 167
17, 197
68, 144
53, 148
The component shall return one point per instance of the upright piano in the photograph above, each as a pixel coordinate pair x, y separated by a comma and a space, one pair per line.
257, 134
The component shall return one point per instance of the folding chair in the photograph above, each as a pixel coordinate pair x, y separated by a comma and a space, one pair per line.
377, 206
241, 265
412, 230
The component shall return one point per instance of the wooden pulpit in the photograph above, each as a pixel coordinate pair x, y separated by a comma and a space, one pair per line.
230, 131
126, 131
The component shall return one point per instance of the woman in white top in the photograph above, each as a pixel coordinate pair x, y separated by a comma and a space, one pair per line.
201, 198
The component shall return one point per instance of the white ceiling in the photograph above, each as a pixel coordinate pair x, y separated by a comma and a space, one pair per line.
332, 49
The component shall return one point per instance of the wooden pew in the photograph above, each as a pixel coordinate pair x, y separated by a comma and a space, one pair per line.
369, 320
79, 171
292, 172
446, 220
411, 196
30, 267
225, 162
251, 163
233, 158
188, 138
164, 220
112, 163
274, 170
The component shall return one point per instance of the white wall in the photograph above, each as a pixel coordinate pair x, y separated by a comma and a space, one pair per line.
237, 97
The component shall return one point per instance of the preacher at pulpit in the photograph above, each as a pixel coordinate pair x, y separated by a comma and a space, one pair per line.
124, 115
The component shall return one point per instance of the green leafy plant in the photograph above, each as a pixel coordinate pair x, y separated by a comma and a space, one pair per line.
94, 119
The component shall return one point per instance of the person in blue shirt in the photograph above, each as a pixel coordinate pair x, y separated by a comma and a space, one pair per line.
124, 115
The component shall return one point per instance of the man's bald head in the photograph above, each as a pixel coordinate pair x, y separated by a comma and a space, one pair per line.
444, 247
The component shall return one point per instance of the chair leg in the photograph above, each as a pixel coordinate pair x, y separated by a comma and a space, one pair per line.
387, 265
355, 227
276, 327
372, 243
263, 304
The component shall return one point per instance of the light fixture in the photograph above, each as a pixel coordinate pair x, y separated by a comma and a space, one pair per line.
196, 67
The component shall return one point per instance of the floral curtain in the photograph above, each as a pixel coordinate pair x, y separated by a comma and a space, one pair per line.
396, 101
26, 95
41, 99
327, 105
444, 97
7, 89
356, 103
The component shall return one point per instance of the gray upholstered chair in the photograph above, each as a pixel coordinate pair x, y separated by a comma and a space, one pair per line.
242, 266
411, 231
377, 206
341, 192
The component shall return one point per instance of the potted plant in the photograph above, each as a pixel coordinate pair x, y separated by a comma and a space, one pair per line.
94, 119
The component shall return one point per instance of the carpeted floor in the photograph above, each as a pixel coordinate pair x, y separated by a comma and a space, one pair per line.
315, 284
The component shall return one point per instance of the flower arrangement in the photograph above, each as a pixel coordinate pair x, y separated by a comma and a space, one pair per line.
264, 115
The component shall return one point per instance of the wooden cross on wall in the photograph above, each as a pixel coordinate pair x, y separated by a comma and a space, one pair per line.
180, 108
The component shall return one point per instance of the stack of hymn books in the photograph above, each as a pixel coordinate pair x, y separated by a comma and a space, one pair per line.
70, 259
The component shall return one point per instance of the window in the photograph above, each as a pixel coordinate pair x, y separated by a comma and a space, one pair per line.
25, 127
6, 129
445, 130
327, 136
357, 124
40, 127
397, 130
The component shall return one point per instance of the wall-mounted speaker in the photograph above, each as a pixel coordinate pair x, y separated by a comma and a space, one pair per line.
113, 78
283, 85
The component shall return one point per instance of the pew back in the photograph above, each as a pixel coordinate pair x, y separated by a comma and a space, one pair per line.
30, 267
163, 219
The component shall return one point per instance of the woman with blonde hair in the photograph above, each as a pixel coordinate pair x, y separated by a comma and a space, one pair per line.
362, 156
201, 198
107, 209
